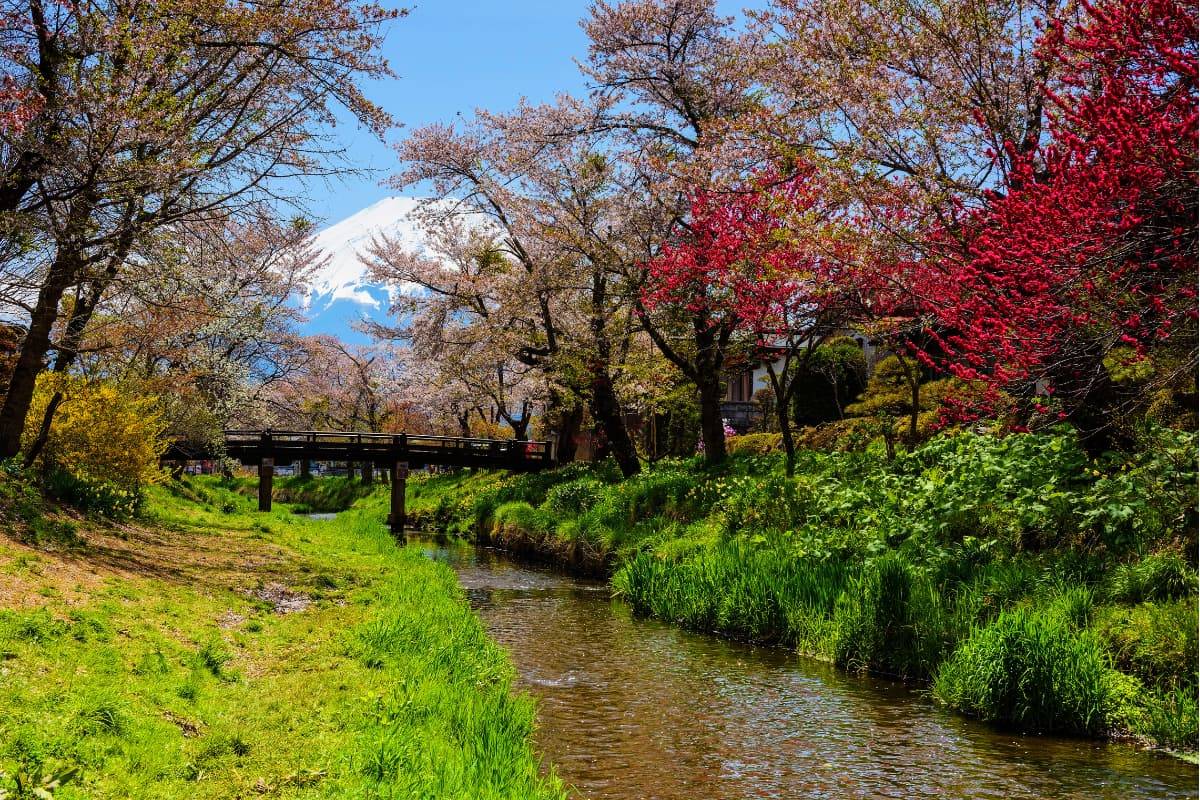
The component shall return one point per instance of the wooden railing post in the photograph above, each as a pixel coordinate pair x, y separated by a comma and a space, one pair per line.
266, 471
266, 474
399, 484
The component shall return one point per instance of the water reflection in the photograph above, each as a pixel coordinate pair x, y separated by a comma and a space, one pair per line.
637, 709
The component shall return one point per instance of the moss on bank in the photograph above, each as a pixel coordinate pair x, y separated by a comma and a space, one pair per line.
1029, 584
208, 652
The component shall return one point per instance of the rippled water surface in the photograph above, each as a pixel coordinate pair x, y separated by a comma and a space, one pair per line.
631, 708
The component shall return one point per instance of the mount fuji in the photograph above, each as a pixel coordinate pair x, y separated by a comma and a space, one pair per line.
341, 293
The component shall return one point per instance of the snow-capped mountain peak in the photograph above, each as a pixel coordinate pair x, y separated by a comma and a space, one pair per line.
344, 277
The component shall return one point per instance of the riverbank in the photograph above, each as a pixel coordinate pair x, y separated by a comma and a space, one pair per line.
1027, 584
206, 651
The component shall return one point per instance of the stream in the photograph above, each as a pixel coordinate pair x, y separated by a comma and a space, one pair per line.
632, 708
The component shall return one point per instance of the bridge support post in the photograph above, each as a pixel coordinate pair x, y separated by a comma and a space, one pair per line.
399, 481
368, 473
305, 468
266, 475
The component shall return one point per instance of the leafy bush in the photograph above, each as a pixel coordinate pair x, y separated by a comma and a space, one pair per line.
1170, 718
104, 433
521, 518
1148, 499
1031, 670
94, 496
774, 503
755, 443
1156, 642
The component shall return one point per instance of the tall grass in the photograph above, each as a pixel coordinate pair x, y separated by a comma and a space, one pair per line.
1032, 671
735, 587
889, 620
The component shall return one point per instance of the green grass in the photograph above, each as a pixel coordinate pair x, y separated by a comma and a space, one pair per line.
1038, 587
161, 667
1032, 671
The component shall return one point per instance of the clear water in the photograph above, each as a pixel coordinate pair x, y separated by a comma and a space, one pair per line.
631, 708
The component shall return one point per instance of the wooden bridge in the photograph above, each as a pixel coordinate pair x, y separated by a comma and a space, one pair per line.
397, 453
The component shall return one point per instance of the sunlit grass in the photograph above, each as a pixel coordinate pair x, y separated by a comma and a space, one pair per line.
177, 677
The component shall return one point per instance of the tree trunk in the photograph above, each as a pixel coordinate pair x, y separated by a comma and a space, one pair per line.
520, 428
31, 359
82, 312
712, 426
43, 434
64, 270
567, 431
789, 442
606, 408
912, 375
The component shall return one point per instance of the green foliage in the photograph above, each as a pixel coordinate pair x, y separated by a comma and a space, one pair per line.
94, 496
574, 497
743, 589
1158, 576
521, 518
1169, 718
1030, 670
676, 427
835, 374
1146, 498
1155, 642
328, 494
755, 444
37, 783
24, 512
889, 621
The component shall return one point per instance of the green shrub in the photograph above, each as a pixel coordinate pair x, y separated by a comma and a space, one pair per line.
1159, 576
1157, 642
755, 444
521, 518
1170, 718
1031, 670
94, 496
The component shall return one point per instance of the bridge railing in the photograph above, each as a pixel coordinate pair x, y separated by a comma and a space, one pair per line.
414, 444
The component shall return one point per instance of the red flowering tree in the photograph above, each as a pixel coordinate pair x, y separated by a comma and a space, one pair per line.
757, 274
1087, 257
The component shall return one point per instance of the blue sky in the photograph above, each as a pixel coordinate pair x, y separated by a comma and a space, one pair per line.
452, 57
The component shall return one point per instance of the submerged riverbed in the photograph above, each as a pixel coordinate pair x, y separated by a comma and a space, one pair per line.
631, 708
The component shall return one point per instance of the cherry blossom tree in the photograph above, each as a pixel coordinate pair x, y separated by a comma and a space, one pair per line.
199, 114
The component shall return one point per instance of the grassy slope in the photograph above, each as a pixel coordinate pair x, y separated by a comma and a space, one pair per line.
1030, 586
158, 661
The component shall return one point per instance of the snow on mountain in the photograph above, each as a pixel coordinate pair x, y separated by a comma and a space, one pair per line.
344, 277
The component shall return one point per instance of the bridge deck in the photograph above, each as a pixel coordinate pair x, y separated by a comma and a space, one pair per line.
397, 452
250, 447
